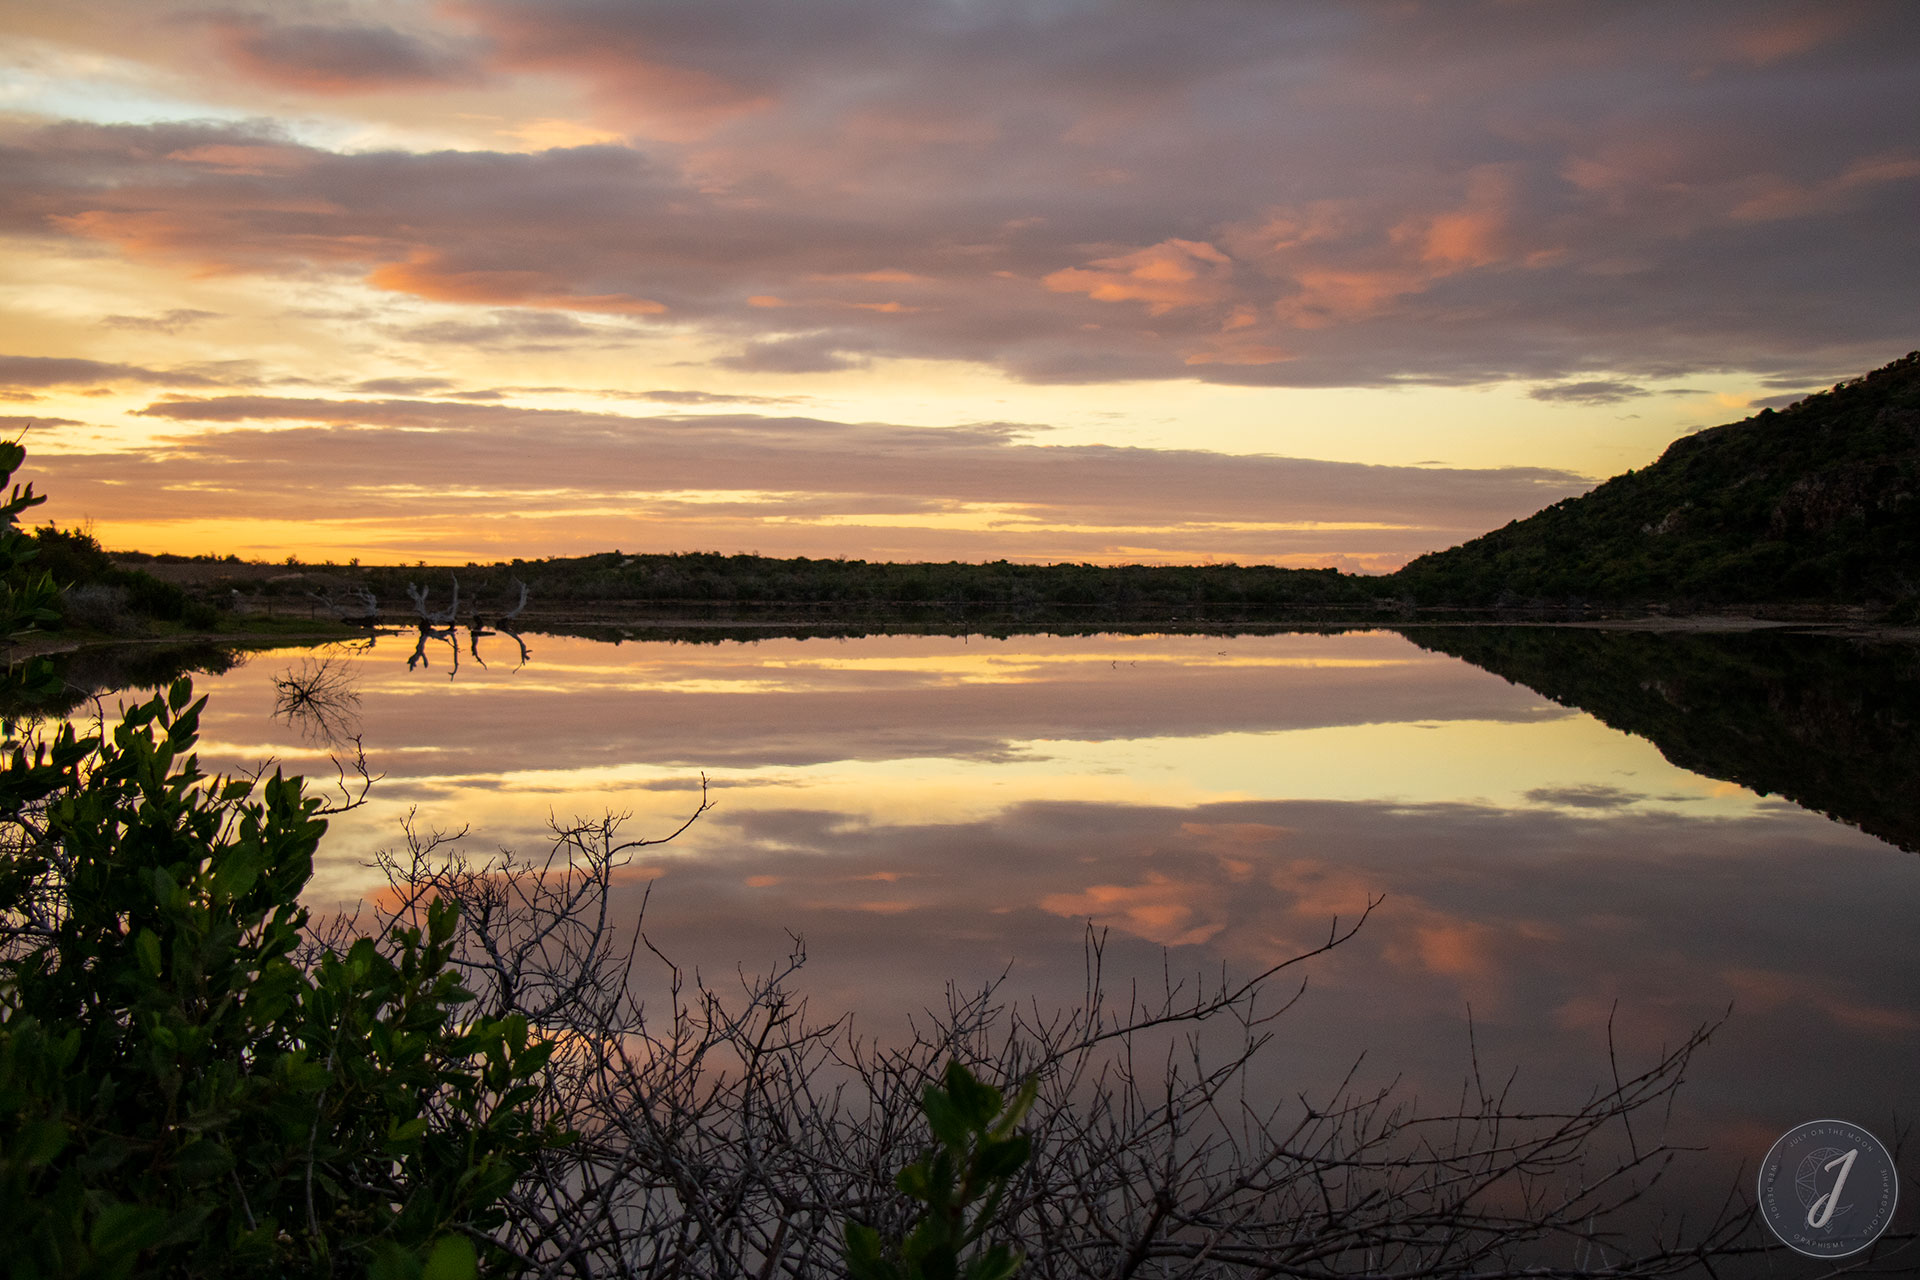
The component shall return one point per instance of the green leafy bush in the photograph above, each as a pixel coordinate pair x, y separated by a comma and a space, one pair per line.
958, 1184
177, 1094
190, 1084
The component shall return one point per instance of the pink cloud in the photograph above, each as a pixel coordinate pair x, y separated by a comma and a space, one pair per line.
1165, 276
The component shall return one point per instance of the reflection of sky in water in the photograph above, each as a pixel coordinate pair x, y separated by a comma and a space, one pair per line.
924, 809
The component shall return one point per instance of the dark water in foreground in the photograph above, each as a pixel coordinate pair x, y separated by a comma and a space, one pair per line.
933, 809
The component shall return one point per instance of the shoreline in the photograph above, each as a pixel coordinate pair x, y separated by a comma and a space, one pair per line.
597, 623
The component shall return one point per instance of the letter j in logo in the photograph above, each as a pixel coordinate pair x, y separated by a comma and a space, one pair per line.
1828, 1188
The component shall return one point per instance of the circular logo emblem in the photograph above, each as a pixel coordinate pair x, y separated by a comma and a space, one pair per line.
1828, 1188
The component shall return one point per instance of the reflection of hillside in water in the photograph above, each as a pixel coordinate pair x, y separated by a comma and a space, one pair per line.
98, 671
1831, 723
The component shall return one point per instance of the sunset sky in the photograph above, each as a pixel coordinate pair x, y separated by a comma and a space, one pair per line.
1134, 280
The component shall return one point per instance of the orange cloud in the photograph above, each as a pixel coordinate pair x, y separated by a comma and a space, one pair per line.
1456, 948
1165, 276
425, 275
1161, 909
1472, 235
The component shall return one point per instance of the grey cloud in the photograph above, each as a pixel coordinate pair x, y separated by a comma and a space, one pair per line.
805, 354
403, 386
11, 423
1596, 391
64, 371
973, 463
1590, 796
514, 330
1089, 502
167, 322
336, 58
702, 397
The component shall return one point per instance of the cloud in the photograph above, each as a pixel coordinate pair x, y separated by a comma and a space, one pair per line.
808, 485
37, 372
1166, 276
800, 354
1585, 796
1300, 195
172, 321
404, 386
702, 397
1591, 391
508, 330
338, 58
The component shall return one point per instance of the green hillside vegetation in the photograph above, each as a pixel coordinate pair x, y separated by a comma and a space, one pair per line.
97, 594
711, 584
1819, 502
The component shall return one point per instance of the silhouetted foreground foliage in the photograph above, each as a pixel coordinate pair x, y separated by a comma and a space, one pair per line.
181, 1091
178, 1095
1818, 502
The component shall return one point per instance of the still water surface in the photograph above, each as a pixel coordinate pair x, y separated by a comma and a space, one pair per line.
929, 809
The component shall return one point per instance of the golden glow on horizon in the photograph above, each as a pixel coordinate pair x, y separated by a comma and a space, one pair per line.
1552, 761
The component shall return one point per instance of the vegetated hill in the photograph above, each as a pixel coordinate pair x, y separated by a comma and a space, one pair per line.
1819, 502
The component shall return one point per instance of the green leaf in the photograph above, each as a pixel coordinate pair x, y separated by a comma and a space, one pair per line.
948, 1123
452, 1258
914, 1181
1003, 1159
863, 1255
203, 1161
126, 1228
391, 1262
1017, 1109
39, 1142
146, 947
977, 1103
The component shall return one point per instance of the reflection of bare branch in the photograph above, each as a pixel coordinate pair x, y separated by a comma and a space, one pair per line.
515, 637
440, 625
319, 700
724, 1133
446, 637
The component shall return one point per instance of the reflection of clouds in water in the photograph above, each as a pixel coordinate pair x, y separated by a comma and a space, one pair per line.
1547, 871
